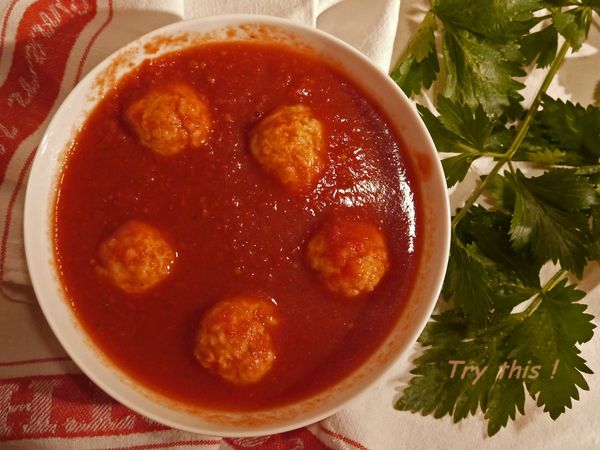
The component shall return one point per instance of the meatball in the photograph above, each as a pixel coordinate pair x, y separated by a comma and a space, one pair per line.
234, 339
135, 257
349, 257
289, 145
170, 119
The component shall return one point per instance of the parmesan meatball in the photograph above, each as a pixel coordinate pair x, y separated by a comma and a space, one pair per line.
349, 257
169, 119
289, 145
136, 257
234, 339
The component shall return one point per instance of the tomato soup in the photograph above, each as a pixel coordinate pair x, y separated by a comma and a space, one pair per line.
234, 228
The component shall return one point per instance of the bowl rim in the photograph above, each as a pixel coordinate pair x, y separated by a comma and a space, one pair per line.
30, 227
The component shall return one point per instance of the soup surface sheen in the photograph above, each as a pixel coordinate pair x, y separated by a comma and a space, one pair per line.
236, 229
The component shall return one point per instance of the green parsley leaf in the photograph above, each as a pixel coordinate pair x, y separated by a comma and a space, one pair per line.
412, 76
438, 389
445, 380
597, 90
544, 155
513, 275
472, 124
502, 193
573, 25
542, 45
571, 127
446, 330
419, 67
497, 252
538, 148
572, 324
549, 335
464, 130
466, 284
456, 167
594, 248
555, 231
480, 71
423, 41
506, 290
493, 19
563, 189
506, 396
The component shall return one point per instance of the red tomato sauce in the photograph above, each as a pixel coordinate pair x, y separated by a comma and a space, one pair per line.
235, 229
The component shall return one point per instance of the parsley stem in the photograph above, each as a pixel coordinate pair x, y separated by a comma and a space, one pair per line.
494, 155
588, 170
550, 284
476, 193
511, 168
521, 133
533, 109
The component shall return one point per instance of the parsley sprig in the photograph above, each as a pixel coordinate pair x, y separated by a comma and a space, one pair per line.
510, 328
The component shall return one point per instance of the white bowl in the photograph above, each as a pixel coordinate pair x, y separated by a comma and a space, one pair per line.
40, 201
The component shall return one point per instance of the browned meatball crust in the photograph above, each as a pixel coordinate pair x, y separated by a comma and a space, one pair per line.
289, 145
136, 257
349, 257
234, 339
169, 119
